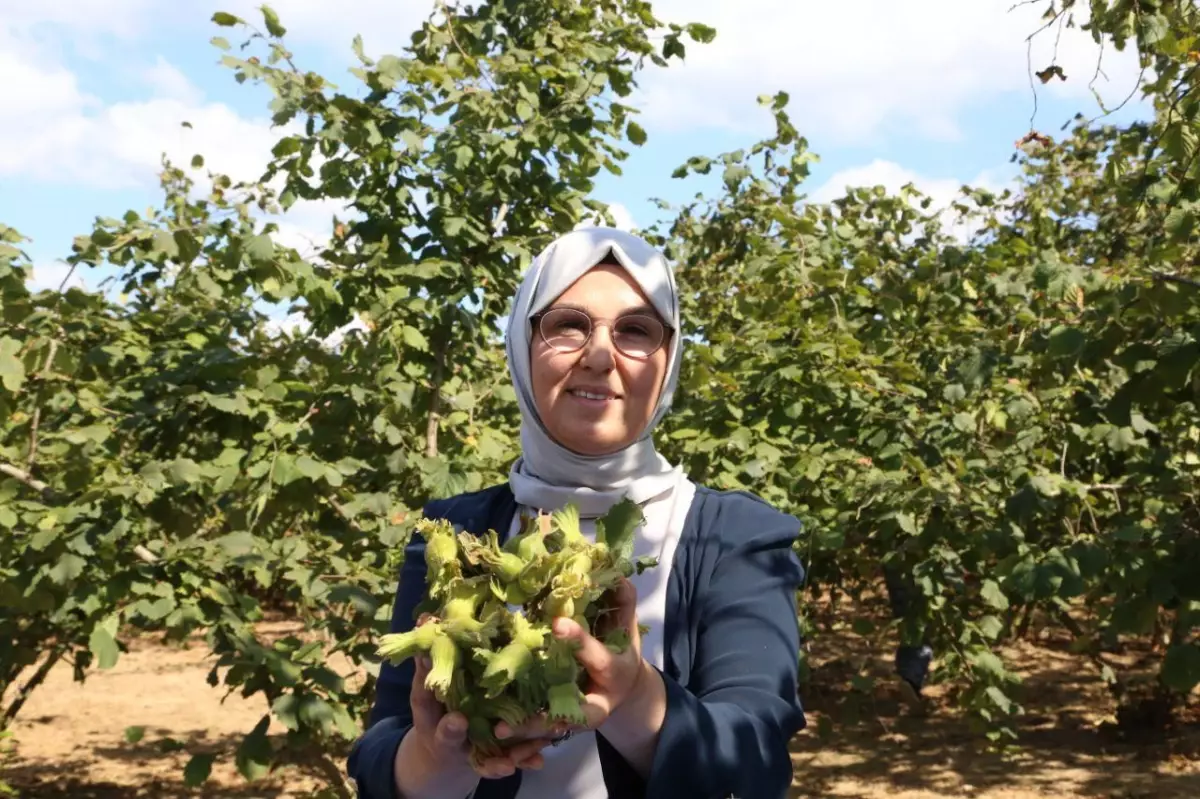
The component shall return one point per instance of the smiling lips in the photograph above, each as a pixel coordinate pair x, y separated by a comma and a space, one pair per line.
593, 395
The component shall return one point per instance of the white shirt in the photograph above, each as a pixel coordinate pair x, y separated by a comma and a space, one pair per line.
572, 769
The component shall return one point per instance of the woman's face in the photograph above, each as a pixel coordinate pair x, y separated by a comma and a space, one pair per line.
630, 386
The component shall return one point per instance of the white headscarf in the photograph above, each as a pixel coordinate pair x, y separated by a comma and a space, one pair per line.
548, 475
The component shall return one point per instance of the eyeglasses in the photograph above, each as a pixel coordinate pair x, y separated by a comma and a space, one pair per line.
567, 330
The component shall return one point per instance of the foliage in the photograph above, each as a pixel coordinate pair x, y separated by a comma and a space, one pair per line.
1007, 415
170, 464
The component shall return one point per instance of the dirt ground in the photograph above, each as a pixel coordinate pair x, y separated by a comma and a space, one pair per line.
70, 738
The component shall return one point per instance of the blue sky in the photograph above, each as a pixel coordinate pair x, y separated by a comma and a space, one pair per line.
934, 91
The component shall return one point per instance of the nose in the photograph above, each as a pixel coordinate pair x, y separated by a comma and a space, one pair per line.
599, 353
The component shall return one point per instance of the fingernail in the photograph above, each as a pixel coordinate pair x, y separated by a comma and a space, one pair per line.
455, 726
502, 730
560, 627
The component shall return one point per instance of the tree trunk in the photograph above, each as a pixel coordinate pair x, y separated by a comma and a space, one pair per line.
24, 692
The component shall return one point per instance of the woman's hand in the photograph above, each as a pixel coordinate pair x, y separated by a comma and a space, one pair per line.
433, 759
615, 681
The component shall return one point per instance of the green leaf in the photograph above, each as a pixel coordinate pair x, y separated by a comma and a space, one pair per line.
617, 526
991, 627
12, 371
354, 595
198, 770
225, 19
991, 593
254, 754
184, 470
954, 393
309, 467
1181, 668
285, 708
414, 339
635, 133
1180, 222
134, 734
68, 568
1066, 341
988, 663
103, 647
999, 698
271, 19
260, 248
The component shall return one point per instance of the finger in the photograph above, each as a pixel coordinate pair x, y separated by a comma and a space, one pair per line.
526, 749
493, 768
596, 709
532, 763
537, 726
427, 710
627, 607
591, 653
451, 733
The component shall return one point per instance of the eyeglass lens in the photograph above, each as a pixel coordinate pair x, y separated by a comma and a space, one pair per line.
567, 330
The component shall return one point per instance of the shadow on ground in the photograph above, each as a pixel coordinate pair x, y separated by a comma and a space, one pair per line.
863, 742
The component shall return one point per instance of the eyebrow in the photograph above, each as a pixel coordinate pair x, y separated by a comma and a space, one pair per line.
646, 310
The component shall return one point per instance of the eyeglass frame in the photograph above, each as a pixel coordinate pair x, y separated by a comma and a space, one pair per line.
593, 323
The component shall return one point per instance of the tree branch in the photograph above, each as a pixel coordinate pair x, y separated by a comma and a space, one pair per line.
503, 212
1186, 281
341, 511
145, 554
23, 476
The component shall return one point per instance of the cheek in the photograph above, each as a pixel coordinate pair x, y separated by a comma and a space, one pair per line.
645, 382
547, 371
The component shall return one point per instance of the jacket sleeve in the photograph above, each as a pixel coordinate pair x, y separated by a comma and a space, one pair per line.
371, 761
727, 732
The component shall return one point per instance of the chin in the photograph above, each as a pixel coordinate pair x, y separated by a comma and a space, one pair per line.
592, 443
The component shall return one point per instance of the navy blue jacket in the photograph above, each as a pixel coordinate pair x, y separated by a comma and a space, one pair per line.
732, 649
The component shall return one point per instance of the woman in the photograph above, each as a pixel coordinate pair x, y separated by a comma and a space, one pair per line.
705, 703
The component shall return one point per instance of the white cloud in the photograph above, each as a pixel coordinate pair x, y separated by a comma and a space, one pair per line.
121, 18
52, 130
168, 82
857, 68
942, 192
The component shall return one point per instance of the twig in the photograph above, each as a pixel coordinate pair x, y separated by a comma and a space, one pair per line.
1029, 64
341, 511
1062, 466
145, 554
37, 412
24, 477
431, 426
70, 272
503, 212
450, 29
